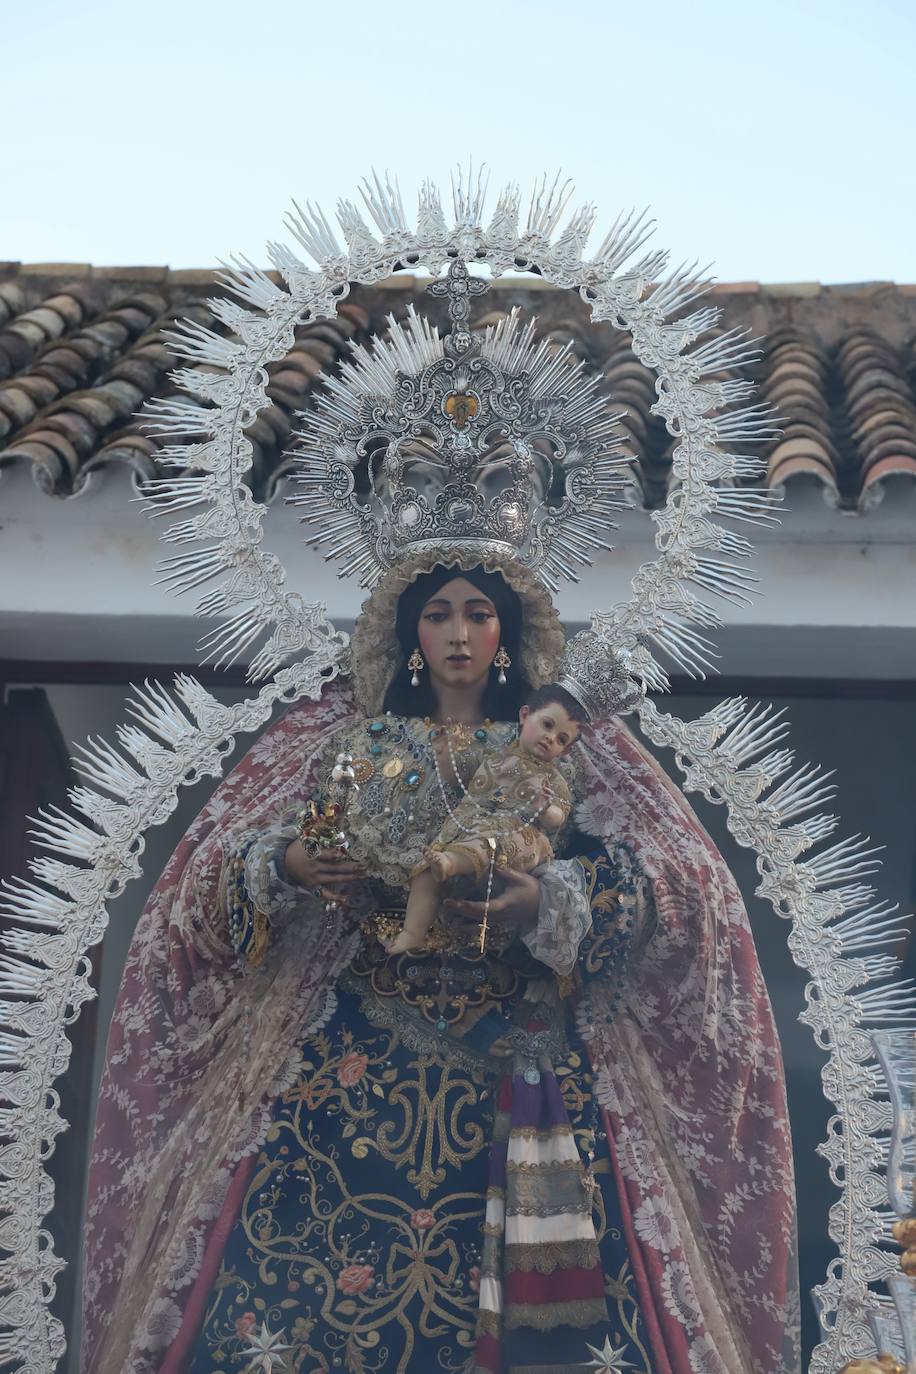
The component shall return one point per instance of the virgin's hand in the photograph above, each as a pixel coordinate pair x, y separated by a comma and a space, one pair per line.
516, 905
328, 873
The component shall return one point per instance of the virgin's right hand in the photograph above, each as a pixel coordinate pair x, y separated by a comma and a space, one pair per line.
325, 874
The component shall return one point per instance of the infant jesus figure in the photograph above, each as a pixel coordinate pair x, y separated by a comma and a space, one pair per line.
511, 806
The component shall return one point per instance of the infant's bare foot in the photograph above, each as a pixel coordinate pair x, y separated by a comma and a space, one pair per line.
404, 943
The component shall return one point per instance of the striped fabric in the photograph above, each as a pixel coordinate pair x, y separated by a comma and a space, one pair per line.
541, 1287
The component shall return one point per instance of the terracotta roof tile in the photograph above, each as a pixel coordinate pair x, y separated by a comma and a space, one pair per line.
84, 350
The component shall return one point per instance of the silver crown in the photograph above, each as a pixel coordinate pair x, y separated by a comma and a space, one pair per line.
598, 677
492, 441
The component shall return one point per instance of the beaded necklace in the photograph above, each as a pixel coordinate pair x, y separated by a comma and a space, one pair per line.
467, 830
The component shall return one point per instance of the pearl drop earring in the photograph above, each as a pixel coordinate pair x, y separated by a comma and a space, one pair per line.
502, 661
415, 663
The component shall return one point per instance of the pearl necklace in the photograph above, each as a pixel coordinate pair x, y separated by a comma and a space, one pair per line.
491, 839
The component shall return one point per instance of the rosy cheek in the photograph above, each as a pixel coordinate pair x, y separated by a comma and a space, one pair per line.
428, 633
489, 639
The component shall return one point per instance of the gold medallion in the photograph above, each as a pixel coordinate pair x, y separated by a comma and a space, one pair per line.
393, 768
362, 770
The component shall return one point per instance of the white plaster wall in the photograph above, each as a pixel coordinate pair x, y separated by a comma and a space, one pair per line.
77, 582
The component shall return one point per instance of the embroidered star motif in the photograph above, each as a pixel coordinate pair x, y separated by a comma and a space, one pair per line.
608, 1360
264, 1351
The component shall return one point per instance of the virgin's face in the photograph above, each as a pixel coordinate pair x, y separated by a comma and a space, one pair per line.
459, 633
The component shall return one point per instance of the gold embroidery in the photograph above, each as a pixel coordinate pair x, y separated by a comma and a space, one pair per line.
574, 1312
549, 1255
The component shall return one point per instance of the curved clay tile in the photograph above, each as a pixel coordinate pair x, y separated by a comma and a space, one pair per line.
873, 484
25, 334
81, 417
793, 380
12, 300
788, 466
68, 362
881, 411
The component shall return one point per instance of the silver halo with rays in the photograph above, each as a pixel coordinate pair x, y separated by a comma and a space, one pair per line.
837, 927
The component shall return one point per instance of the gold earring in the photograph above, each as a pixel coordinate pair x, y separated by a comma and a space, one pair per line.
502, 661
415, 663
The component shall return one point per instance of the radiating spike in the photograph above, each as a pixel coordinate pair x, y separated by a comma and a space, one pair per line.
736, 348
746, 504
56, 830
195, 341
15, 1050
25, 901
383, 201
249, 283
468, 196
847, 859
854, 895
430, 218
224, 645
726, 713
55, 873
814, 828
309, 227
156, 711
694, 652
877, 967
625, 237
504, 224
21, 979
284, 259
880, 925
759, 729
725, 580
162, 495
51, 950
772, 766
175, 416
683, 285
546, 206
803, 791
754, 424
894, 1002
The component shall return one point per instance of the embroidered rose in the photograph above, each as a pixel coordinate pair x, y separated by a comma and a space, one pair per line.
245, 1323
422, 1220
356, 1278
474, 1275
351, 1069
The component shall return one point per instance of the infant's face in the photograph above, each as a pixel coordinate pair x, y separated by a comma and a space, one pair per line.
547, 732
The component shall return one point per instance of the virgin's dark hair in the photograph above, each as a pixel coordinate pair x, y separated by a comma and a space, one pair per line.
499, 702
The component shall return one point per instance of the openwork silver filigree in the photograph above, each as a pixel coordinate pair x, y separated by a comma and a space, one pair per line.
837, 931
428, 442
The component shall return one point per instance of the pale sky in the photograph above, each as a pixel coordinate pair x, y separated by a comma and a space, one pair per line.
774, 139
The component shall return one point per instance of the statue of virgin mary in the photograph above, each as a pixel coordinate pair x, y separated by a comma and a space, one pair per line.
568, 1149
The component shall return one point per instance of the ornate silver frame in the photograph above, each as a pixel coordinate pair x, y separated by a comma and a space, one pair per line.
178, 735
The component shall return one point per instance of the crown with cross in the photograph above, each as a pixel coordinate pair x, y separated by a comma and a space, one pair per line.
483, 442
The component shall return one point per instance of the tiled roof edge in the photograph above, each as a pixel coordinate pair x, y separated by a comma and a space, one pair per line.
206, 277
